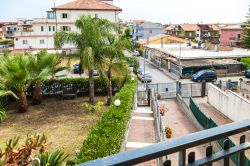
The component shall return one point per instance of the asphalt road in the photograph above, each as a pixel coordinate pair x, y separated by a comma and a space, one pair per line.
157, 75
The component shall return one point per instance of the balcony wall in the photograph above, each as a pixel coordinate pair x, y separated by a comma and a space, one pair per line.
230, 104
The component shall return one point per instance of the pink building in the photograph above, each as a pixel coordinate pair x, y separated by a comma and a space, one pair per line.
230, 35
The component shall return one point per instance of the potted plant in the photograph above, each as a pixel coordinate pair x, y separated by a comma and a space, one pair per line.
169, 132
162, 111
247, 96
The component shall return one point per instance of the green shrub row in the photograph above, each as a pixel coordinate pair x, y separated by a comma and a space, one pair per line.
79, 85
105, 138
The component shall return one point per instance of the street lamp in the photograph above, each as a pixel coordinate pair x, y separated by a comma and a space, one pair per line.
132, 79
117, 103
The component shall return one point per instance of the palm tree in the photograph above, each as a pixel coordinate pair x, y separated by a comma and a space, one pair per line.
41, 66
14, 73
92, 34
3, 93
115, 59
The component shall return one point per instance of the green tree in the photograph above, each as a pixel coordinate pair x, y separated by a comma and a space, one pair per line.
115, 60
41, 66
92, 35
246, 33
15, 74
3, 93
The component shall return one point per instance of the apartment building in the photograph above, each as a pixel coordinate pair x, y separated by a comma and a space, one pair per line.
195, 32
231, 35
142, 29
39, 33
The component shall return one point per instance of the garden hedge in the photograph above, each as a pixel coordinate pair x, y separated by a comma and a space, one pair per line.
80, 85
105, 138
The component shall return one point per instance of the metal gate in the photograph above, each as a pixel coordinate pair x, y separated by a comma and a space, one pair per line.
143, 98
164, 90
190, 89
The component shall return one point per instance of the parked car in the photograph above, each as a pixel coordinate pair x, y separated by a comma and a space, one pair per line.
96, 72
206, 75
247, 73
145, 77
136, 53
140, 70
76, 69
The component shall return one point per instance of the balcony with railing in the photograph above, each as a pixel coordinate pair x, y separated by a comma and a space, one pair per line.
180, 145
137, 27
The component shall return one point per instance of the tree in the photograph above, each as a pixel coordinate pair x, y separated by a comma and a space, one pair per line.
14, 73
114, 59
246, 33
41, 66
90, 38
3, 93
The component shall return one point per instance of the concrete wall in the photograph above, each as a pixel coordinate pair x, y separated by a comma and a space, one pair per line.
229, 103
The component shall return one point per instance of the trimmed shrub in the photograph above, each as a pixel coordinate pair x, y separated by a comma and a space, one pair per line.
105, 138
79, 85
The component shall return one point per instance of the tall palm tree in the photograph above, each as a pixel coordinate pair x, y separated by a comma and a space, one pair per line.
93, 33
115, 59
41, 66
14, 73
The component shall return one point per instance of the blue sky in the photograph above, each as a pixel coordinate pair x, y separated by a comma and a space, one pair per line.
164, 11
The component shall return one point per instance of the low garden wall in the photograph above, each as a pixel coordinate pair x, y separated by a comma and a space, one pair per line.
105, 138
229, 103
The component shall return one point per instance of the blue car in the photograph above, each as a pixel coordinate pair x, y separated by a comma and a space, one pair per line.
204, 75
76, 69
247, 73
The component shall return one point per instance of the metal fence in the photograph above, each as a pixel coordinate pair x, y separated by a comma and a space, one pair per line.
186, 90
208, 123
159, 128
164, 90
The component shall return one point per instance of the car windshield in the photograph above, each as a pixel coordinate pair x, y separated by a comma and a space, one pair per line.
200, 73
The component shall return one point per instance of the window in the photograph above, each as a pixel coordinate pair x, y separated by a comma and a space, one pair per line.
49, 28
64, 15
238, 35
16, 39
65, 28
150, 31
41, 41
197, 35
54, 28
25, 42
42, 28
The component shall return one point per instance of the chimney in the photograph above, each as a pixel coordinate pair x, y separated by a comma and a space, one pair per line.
108, 1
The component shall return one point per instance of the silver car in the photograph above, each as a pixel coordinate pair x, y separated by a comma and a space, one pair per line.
145, 77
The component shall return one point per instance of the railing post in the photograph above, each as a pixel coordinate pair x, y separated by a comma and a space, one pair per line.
226, 146
209, 152
182, 157
203, 88
242, 154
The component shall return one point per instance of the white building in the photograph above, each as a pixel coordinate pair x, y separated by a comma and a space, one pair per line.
39, 33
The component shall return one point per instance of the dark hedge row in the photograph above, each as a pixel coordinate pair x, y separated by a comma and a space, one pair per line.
79, 85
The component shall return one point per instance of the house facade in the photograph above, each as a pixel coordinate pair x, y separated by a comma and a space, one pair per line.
39, 33
142, 29
230, 35
195, 32
8, 30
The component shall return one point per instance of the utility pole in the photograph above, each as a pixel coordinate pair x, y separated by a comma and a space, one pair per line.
145, 83
180, 62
